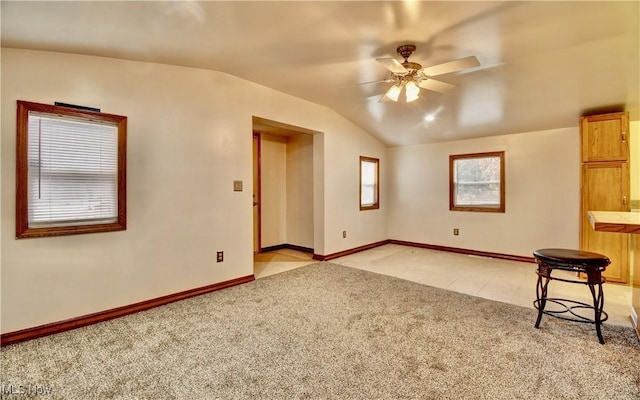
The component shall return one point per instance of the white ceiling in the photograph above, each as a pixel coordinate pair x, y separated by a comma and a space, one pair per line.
543, 64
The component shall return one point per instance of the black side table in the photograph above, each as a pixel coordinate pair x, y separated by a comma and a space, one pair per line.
591, 264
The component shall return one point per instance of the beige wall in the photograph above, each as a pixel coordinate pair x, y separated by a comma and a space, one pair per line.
189, 138
287, 190
342, 207
542, 194
273, 172
300, 190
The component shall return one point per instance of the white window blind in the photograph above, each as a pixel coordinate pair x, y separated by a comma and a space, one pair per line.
72, 171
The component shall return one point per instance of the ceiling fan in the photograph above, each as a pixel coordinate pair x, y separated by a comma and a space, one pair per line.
410, 76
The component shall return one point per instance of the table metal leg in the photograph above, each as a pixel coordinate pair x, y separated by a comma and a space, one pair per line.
598, 305
541, 296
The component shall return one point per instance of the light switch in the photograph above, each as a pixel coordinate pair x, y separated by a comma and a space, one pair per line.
237, 186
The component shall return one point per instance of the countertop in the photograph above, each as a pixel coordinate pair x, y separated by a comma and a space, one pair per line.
615, 221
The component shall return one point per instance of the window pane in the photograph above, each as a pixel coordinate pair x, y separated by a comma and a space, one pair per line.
477, 181
368, 195
368, 173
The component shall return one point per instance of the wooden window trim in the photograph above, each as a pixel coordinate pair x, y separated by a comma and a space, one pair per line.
453, 207
22, 184
376, 205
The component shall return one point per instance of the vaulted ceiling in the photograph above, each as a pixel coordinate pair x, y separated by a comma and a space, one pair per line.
543, 64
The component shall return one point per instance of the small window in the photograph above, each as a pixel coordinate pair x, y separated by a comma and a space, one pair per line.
71, 171
476, 182
369, 179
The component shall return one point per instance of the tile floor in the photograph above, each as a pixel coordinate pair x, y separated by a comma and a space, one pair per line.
274, 262
501, 280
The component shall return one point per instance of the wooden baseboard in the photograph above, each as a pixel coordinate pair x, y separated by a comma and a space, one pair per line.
287, 246
350, 251
78, 322
465, 251
501, 256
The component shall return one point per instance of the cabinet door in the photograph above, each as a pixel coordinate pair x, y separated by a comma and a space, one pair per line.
605, 137
605, 187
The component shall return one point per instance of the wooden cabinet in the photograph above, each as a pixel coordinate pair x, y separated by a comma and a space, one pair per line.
605, 186
603, 189
605, 137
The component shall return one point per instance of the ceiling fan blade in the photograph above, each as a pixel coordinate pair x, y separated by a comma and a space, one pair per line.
393, 65
436, 86
378, 81
451, 66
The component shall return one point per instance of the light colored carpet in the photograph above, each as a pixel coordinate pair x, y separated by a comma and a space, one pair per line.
326, 331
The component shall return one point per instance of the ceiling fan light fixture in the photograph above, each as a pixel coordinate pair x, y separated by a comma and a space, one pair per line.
411, 76
394, 92
411, 91
412, 97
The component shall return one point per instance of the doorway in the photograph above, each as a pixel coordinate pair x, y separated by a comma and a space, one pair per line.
283, 194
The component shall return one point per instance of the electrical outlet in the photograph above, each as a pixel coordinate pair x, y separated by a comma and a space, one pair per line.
220, 256
344, 234
456, 232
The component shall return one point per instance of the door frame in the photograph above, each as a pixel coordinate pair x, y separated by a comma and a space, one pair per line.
257, 187
266, 126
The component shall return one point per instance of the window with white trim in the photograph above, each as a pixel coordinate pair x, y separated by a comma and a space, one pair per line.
71, 175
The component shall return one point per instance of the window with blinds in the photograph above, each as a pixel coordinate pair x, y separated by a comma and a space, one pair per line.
369, 188
71, 171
